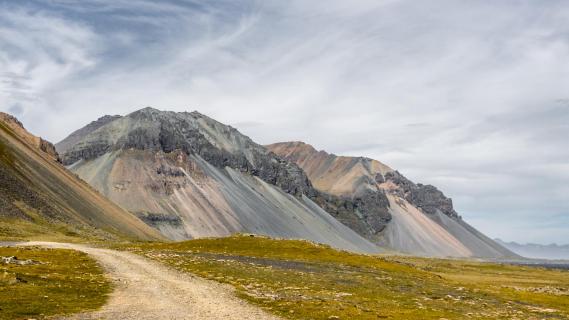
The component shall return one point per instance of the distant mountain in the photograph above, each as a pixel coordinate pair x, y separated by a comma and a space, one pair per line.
538, 251
38, 195
190, 176
416, 218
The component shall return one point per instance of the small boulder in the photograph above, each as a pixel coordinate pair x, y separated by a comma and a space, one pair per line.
16, 261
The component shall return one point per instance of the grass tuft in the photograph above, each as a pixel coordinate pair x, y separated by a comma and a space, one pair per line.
64, 282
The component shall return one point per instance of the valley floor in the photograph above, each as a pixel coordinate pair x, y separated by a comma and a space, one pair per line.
301, 280
261, 278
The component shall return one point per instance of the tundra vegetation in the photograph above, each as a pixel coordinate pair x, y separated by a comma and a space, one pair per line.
44, 282
302, 280
297, 280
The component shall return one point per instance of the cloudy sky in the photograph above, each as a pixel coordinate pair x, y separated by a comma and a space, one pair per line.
471, 96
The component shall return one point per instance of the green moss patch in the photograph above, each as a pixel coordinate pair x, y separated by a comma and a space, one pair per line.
62, 282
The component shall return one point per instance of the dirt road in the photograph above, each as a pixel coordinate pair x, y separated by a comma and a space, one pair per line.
148, 290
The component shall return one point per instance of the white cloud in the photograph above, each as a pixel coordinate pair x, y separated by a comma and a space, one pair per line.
40, 52
469, 96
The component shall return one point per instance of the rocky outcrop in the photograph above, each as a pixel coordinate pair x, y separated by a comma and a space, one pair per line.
367, 214
49, 148
158, 219
427, 198
10, 120
19, 262
37, 142
92, 151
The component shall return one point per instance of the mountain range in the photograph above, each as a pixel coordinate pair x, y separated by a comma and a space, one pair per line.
188, 176
538, 251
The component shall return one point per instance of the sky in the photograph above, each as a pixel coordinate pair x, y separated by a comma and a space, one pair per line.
470, 96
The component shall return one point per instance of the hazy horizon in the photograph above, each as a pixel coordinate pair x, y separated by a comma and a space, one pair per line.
469, 97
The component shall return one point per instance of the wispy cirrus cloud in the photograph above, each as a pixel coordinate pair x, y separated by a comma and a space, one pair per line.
40, 52
469, 96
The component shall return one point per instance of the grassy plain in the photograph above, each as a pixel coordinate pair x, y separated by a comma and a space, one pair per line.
300, 280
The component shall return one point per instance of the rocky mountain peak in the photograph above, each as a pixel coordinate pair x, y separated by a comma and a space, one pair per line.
293, 146
147, 110
10, 119
18, 128
147, 113
222, 146
341, 175
325, 169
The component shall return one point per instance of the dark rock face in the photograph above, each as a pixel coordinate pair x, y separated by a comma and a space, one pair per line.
169, 171
374, 208
425, 197
367, 214
49, 148
94, 150
157, 219
170, 178
286, 175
